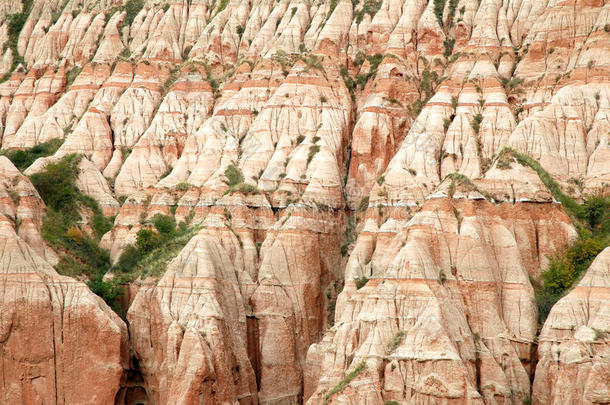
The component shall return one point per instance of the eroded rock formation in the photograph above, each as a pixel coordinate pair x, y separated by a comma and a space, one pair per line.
365, 225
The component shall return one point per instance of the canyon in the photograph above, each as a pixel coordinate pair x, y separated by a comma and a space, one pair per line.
305, 202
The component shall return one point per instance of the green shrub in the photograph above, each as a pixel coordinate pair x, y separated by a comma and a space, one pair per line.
110, 292
312, 61
596, 211
331, 8
504, 161
133, 7
147, 240
364, 204
439, 8
234, 175
370, 7
245, 188
476, 122
567, 268
72, 75
56, 186
361, 282
165, 224
183, 186
222, 5
343, 383
393, 344
22, 159
448, 44
129, 259
313, 149
592, 218
154, 250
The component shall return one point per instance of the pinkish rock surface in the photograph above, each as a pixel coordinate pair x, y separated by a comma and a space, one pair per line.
313, 145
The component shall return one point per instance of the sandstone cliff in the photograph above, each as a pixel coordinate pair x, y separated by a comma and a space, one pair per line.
337, 201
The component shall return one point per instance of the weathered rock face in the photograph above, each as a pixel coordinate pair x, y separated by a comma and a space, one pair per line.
189, 330
443, 316
59, 342
314, 145
573, 345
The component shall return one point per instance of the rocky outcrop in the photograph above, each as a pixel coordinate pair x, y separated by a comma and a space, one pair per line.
442, 315
189, 330
312, 145
573, 352
56, 336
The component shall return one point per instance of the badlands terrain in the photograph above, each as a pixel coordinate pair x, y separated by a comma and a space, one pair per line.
305, 202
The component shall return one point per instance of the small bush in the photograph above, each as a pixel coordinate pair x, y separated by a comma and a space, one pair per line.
245, 188
313, 149
233, 175
349, 236
441, 276
55, 184
439, 8
370, 7
109, 291
343, 383
393, 344
165, 224
183, 186
596, 211
312, 61
565, 269
476, 123
129, 259
505, 161
75, 234
361, 282
147, 240
72, 75
364, 204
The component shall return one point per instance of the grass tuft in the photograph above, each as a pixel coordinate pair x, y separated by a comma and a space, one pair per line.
343, 383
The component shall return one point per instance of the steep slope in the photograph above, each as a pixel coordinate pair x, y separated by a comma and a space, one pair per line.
308, 146
573, 349
444, 315
56, 336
